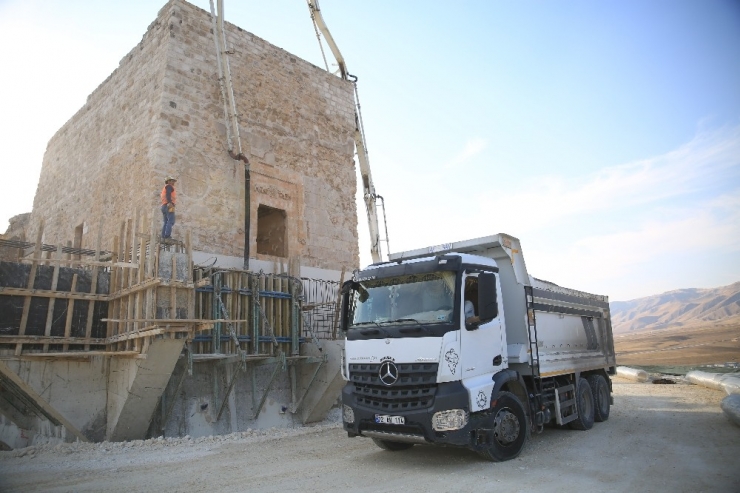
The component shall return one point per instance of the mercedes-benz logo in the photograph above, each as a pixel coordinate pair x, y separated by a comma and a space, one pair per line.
388, 373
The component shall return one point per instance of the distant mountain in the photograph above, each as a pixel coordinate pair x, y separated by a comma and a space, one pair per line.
677, 308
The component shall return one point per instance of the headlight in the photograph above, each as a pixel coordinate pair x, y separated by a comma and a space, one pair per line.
348, 413
453, 419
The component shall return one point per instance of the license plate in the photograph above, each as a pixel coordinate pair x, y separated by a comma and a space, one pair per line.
384, 419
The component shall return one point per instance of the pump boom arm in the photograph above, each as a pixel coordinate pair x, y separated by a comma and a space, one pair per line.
368, 188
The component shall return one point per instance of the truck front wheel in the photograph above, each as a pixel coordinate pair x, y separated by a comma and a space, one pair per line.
584, 405
392, 446
509, 423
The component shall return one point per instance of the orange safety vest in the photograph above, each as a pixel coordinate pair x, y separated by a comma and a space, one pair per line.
173, 194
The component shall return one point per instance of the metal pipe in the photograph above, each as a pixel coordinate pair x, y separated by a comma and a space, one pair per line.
359, 136
227, 78
385, 223
230, 114
221, 77
247, 214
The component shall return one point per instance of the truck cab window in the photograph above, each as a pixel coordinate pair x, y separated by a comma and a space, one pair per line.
471, 296
424, 298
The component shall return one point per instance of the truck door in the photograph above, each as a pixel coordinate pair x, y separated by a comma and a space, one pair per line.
482, 346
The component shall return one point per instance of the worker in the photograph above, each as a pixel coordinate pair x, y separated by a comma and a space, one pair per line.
169, 197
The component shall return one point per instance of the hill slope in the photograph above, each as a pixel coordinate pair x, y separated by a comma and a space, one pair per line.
677, 308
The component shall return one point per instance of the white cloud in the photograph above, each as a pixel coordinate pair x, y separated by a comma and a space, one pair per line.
709, 160
627, 231
472, 148
707, 230
651, 257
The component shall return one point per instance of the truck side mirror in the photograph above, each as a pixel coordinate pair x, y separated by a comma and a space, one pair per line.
344, 314
487, 297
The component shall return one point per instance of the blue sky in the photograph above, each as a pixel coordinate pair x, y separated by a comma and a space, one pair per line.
605, 135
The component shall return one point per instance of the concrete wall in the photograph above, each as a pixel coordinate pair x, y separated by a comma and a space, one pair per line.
118, 399
196, 404
327, 385
135, 387
161, 113
65, 385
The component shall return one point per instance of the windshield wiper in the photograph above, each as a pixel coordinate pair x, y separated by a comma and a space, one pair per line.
365, 323
410, 330
402, 320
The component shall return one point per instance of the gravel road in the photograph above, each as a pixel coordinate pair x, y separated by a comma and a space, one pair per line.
670, 438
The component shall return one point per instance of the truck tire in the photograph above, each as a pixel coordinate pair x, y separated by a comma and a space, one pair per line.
584, 405
509, 423
600, 390
392, 446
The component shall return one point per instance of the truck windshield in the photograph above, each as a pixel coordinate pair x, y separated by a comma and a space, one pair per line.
422, 298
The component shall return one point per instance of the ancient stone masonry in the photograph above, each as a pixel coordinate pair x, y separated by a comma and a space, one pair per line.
160, 113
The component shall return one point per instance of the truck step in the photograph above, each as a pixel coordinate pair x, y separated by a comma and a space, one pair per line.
568, 419
565, 410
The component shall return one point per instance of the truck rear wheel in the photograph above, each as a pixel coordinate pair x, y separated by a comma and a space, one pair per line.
392, 446
509, 423
584, 405
600, 390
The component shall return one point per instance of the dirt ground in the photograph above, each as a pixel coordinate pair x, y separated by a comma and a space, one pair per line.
671, 438
694, 345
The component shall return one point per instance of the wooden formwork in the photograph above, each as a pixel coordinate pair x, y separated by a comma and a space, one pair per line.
30, 338
152, 290
143, 298
148, 290
144, 288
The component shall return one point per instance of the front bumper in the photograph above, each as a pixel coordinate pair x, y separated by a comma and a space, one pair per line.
418, 423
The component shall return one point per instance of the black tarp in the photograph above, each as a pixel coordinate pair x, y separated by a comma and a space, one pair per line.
15, 275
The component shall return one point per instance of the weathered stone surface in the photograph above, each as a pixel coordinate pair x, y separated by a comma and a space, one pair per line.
160, 113
16, 231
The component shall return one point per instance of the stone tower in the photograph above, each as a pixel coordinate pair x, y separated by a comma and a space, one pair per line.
160, 113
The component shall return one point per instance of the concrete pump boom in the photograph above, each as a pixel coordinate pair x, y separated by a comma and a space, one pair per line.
367, 180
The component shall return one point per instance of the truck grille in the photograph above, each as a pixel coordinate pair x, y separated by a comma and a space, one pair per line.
415, 388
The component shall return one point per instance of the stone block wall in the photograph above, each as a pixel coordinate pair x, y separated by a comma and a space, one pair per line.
100, 164
16, 232
160, 113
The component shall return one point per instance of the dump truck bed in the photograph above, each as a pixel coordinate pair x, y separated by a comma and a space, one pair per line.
572, 330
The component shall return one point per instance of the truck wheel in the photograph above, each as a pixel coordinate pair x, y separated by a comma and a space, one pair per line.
509, 423
600, 390
584, 405
392, 446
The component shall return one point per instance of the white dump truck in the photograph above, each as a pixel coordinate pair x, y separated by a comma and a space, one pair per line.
458, 345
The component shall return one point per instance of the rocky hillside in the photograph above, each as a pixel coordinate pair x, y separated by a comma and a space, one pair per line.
677, 308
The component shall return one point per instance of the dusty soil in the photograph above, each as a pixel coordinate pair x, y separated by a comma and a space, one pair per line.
694, 345
658, 438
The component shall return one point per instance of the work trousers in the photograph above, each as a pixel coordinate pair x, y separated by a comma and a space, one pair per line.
169, 221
